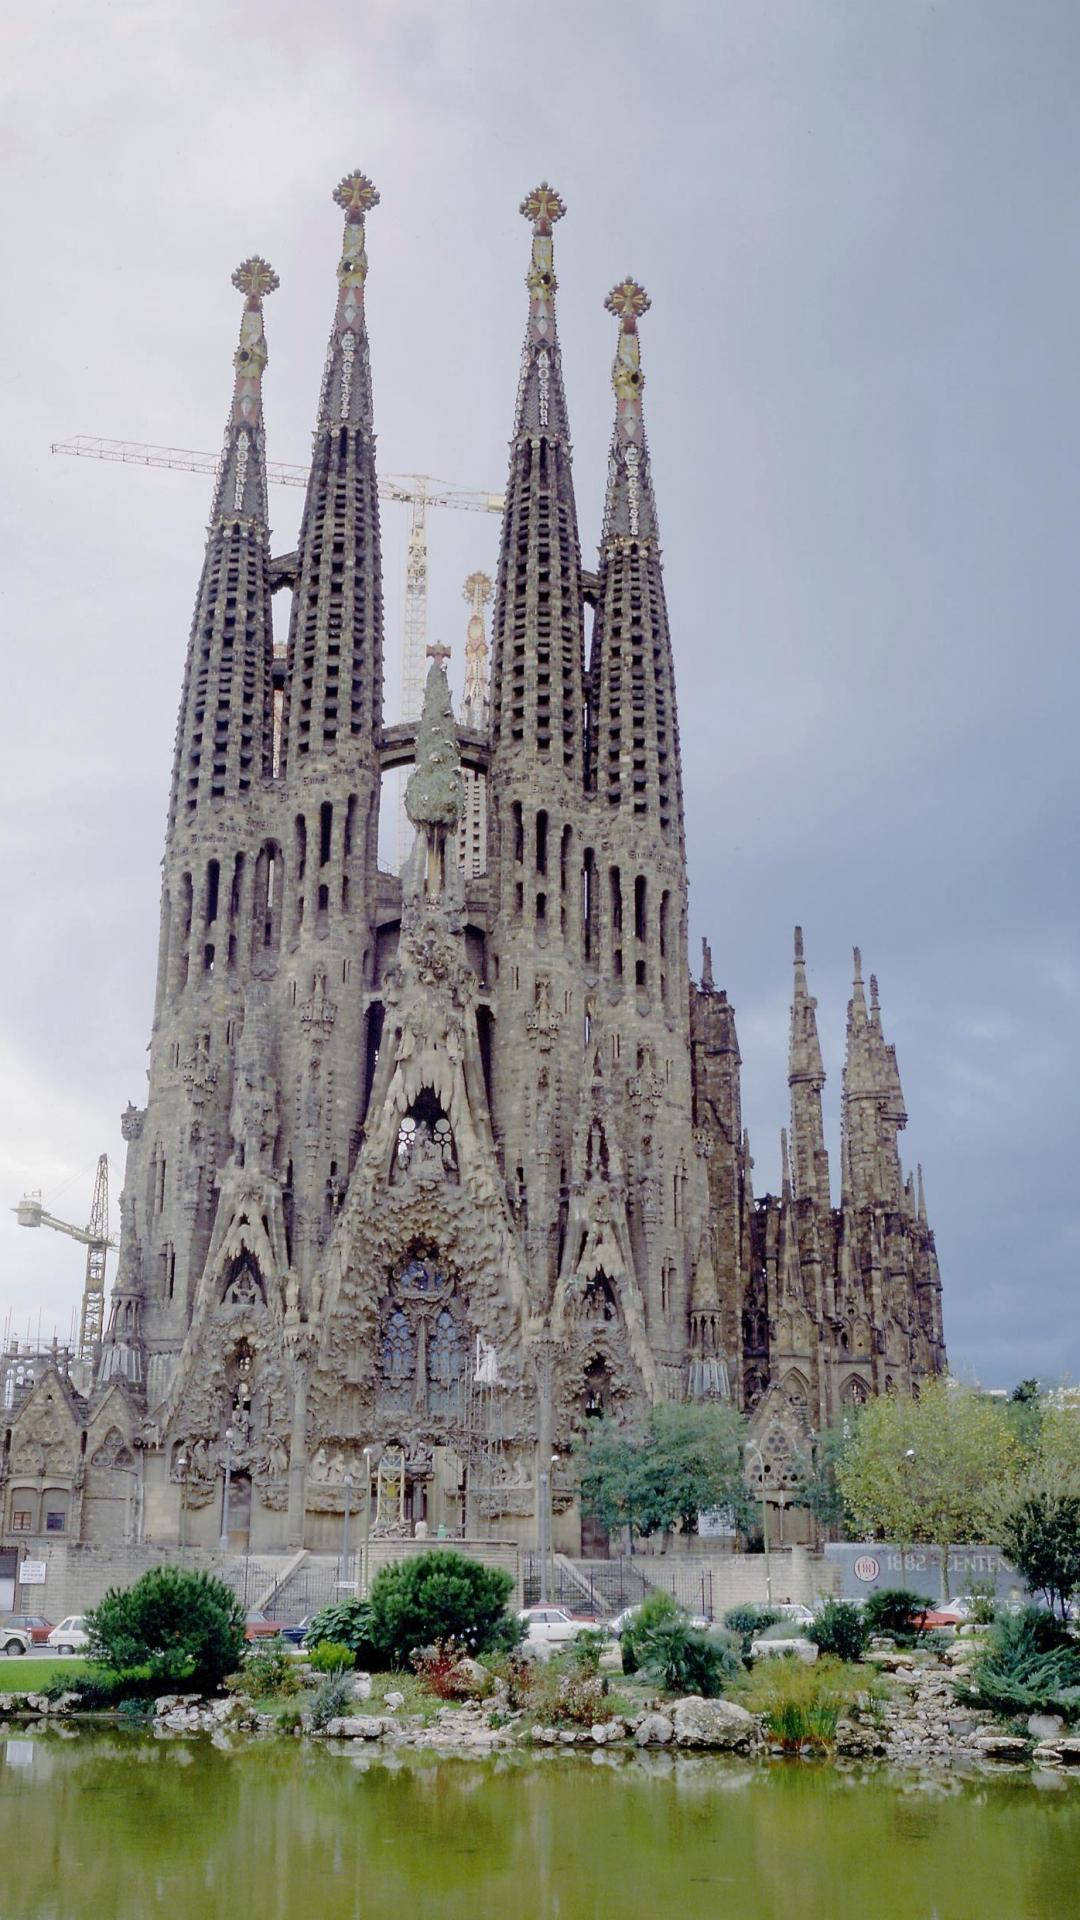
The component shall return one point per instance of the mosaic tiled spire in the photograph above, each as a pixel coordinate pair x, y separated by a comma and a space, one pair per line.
223, 731
537, 679
334, 681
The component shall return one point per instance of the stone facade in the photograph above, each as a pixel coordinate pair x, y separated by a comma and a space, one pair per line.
433, 1168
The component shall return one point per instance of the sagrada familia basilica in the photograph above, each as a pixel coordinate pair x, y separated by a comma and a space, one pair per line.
433, 1168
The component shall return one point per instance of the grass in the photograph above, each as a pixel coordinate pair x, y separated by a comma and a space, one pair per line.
802, 1703
29, 1676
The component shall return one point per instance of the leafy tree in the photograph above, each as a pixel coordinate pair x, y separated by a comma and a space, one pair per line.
183, 1627
938, 1469
1024, 1412
895, 1610
685, 1460
347, 1623
1041, 1537
840, 1629
440, 1596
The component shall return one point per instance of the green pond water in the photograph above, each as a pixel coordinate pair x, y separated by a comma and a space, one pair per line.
112, 1826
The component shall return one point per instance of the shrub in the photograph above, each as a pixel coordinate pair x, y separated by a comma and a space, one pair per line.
331, 1656
268, 1669
561, 1692
840, 1629
655, 1607
347, 1623
440, 1596
331, 1698
686, 1659
184, 1628
437, 1666
583, 1654
97, 1689
984, 1598
1030, 1664
749, 1622
802, 1704
895, 1610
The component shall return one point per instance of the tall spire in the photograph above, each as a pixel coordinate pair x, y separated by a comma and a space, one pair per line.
806, 1078
223, 738
634, 759
538, 650
474, 705
873, 1103
333, 696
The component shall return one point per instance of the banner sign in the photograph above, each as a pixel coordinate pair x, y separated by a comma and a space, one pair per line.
870, 1564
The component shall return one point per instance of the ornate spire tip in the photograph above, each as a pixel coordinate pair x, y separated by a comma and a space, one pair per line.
857, 958
628, 301
255, 277
356, 194
798, 947
543, 206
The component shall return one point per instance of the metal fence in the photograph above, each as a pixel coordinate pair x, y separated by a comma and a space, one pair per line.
604, 1587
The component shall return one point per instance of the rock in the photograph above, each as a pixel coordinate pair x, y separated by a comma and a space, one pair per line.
1044, 1726
1047, 1755
711, 1723
544, 1736
1000, 1746
654, 1730
359, 1726
1069, 1751
392, 1701
888, 1660
468, 1680
361, 1686
801, 1648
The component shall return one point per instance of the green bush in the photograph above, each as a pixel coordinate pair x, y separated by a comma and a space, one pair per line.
583, 1654
895, 1610
655, 1607
440, 1596
840, 1629
1030, 1664
685, 1659
186, 1629
346, 1623
331, 1656
331, 1699
750, 1622
268, 1669
98, 1690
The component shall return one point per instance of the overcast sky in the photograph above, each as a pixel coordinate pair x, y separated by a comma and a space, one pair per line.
857, 220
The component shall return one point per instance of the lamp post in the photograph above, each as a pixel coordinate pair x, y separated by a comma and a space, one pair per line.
181, 1468
367, 1524
344, 1581
752, 1446
223, 1543
544, 1542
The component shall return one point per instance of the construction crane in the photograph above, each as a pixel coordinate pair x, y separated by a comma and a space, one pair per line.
417, 491
95, 1238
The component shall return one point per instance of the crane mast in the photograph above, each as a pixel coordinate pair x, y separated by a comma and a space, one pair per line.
95, 1238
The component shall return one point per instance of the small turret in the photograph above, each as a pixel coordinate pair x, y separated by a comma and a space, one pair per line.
806, 1078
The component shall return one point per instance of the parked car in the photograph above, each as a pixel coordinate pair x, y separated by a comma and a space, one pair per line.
31, 1623
793, 1610
548, 1627
259, 1626
14, 1640
295, 1635
621, 1621
71, 1635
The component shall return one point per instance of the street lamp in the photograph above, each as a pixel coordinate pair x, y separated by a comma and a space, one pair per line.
544, 1542
181, 1468
367, 1523
344, 1581
752, 1445
223, 1543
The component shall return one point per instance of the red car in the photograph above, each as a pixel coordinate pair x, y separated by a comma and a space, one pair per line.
259, 1626
38, 1629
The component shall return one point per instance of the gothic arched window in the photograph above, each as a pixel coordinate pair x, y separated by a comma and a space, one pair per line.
445, 1356
398, 1347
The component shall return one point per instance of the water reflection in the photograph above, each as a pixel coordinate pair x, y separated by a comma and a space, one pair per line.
126, 1825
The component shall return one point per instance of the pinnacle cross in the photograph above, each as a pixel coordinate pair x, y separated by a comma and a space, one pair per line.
477, 591
543, 206
439, 652
356, 194
630, 506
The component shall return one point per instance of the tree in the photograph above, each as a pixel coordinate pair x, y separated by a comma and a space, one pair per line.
183, 1627
818, 1486
686, 1459
439, 1596
1041, 1537
939, 1469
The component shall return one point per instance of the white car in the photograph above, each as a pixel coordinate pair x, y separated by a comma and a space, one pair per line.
71, 1635
791, 1610
549, 1627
